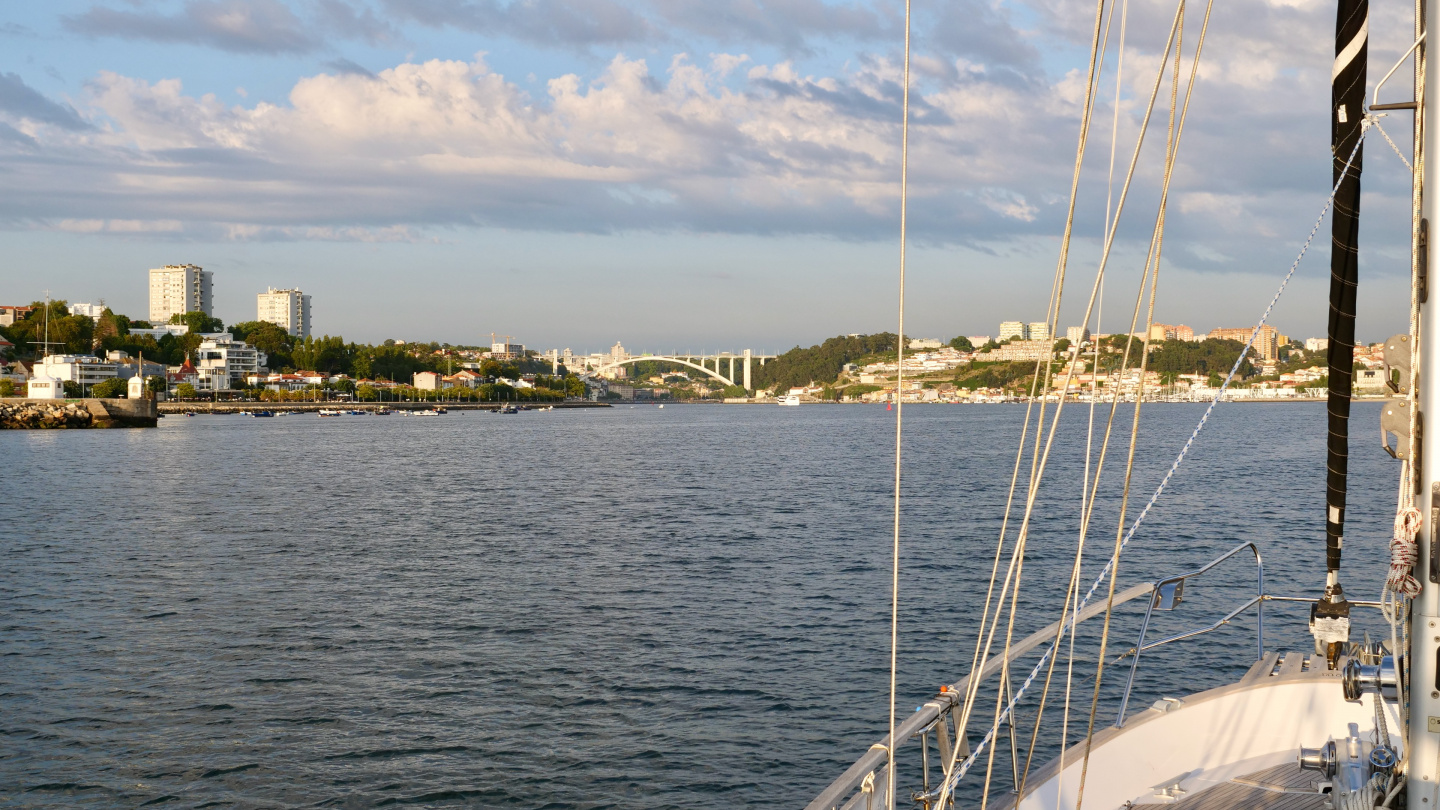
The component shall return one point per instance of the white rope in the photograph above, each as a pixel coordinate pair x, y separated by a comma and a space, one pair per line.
1020, 693
899, 411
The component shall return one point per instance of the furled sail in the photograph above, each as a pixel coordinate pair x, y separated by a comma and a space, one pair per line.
1330, 618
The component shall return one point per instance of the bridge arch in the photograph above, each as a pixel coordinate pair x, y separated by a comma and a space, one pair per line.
648, 358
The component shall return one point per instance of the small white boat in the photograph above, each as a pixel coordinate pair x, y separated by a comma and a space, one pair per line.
791, 399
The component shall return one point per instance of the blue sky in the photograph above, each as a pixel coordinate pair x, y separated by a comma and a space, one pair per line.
673, 174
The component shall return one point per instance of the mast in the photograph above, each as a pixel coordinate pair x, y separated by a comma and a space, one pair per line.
1423, 746
1330, 616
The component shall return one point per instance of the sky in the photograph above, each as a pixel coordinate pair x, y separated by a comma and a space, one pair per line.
687, 175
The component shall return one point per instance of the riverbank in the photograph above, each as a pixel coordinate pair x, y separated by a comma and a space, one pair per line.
368, 407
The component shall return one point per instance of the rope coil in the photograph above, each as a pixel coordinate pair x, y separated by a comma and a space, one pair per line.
1404, 553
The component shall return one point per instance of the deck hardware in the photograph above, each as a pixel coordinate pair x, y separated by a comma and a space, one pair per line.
1383, 759
1169, 594
1377, 679
1435, 535
1422, 280
1176, 584
1395, 418
1432, 724
1320, 759
1397, 358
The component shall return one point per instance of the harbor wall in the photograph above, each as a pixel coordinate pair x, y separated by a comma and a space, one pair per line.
71, 414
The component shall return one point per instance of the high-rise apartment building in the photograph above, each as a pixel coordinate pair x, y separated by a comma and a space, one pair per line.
1038, 330
176, 289
287, 309
1077, 334
1267, 342
1011, 329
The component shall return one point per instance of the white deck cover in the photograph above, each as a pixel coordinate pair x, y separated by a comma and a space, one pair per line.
1209, 737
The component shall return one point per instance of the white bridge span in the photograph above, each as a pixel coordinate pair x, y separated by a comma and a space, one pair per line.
727, 374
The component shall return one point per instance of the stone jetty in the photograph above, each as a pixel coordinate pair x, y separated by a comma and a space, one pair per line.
53, 414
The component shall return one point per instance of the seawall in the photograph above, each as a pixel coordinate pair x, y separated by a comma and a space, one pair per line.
62, 414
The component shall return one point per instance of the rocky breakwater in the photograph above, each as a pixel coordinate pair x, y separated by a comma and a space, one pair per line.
33, 414
42, 414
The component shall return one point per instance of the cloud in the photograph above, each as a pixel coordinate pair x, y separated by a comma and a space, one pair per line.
19, 100
238, 26
725, 143
345, 66
551, 22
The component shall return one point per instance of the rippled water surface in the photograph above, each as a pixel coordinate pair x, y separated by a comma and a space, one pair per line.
628, 607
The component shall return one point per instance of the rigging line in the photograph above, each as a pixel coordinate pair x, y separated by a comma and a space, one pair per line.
1170, 145
899, 412
978, 657
973, 687
964, 767
1021, 535
1157, 244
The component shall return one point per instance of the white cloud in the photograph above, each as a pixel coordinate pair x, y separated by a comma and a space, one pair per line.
723, 143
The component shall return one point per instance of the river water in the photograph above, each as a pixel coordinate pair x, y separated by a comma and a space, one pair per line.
628, 607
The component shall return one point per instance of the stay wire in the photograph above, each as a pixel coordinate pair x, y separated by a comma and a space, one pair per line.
983, 643
964, 767
899, 415
1018, 551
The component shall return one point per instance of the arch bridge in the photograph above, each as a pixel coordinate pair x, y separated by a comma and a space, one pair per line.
726, 375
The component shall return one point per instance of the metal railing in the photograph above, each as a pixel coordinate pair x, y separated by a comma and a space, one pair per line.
867, 775
1167, 594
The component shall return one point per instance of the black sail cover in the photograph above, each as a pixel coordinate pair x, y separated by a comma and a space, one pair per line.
1347, 112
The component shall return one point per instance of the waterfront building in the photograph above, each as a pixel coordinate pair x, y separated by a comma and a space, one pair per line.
176, 289
505, 350
88, 310
15, 371
1166, 331
222, 361
426, 381
127, 367
45, 388
287, 309
9, 315
183, 373
1038, 330
1267, 343
157, 332
1012, 329
86, 370
1019, 350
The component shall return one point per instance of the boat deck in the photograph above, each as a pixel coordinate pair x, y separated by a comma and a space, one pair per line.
1283, 787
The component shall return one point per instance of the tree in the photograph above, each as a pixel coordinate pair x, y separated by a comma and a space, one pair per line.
367, 393
198, 322
155, 385
186, 391
275, 342
112, 388
69, 334
73, 390
7, 388
961, 344
1062, 345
